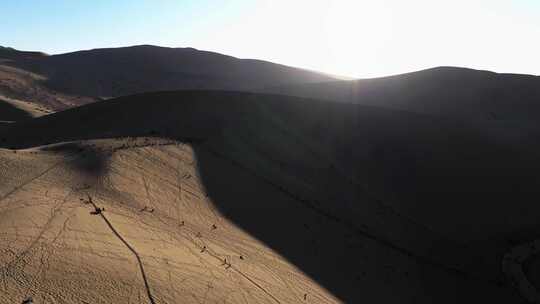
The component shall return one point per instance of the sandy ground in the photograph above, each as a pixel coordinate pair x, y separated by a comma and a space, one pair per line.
156, 219
19, 109
28, 89
259, 199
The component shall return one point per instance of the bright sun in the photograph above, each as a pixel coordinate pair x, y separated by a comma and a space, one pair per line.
356, 31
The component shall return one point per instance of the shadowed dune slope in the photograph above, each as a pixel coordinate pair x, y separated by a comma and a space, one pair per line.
443, 91
360, 199
28, 87
92, 75
12, 110
9, 53
8, 112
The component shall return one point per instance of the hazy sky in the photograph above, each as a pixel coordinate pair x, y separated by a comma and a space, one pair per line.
347, 37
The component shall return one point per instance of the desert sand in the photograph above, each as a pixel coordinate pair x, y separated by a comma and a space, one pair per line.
443, 91
224, 197
62, 81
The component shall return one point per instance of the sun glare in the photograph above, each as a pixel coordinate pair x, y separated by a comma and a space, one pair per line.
355, 32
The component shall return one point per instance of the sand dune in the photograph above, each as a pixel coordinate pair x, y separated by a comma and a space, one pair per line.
10, 112
56, 251
444, 91
66, 80
28, 87
62, 81
308, 202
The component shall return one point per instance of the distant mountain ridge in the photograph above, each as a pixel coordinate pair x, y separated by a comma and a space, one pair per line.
442, 91
66, 80
9, 52
113, 72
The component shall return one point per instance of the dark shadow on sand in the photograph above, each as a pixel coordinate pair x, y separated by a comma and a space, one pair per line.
293, 173
85, 158
9, 112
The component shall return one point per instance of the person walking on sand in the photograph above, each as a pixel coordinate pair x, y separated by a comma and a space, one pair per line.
28, 300
97, 210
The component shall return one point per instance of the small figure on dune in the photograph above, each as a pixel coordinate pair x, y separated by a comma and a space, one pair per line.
203, 249
241, 257
214, 227
305, 296
226, 263
97, 211
28, 300
182, 223
148, 209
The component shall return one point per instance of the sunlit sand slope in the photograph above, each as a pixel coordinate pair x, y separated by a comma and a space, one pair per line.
244, 198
